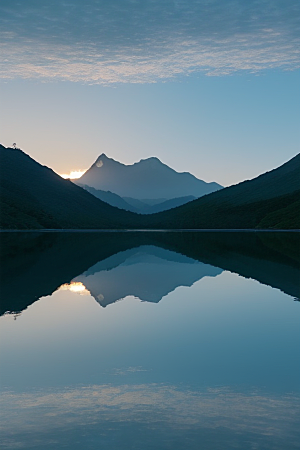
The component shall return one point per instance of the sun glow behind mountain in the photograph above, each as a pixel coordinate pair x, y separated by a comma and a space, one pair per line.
76, 287
74, 174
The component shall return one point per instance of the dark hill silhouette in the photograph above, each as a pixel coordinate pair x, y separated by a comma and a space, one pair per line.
33, 197
272, 200
148, 178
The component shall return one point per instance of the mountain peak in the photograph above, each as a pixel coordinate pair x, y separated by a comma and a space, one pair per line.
152, 159
151, 163
147, 179
102, 159
104, 156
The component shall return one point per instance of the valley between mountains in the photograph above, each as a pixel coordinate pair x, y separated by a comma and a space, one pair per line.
144, 195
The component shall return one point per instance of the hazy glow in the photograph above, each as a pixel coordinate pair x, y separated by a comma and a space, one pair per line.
77, 287
74, 174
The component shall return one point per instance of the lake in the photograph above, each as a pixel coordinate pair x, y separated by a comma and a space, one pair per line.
150, 340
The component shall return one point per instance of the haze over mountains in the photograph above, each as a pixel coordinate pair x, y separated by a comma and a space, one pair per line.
35, 197
145, 206
146, 180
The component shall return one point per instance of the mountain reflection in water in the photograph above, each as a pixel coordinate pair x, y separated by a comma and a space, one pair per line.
146, 272
214, 365
146, 265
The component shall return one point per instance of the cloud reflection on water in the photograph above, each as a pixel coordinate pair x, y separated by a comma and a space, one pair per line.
266, 419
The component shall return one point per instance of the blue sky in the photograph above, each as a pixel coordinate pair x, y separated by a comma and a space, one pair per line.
208, 86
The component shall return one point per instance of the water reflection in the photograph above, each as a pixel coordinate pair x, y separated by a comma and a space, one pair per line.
214, 365
75, 286
146, 272
149, 416
114, 264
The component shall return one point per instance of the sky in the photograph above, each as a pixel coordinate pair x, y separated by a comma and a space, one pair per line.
208, 86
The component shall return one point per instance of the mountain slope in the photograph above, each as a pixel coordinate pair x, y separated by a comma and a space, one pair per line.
167, 204
109, 197
134, 205
149, 178
271, 200
33, 197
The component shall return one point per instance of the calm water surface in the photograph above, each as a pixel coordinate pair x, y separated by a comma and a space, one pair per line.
150, 341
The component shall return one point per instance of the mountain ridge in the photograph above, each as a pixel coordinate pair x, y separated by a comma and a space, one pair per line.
35, 197
143, 206
148, 178
272, 198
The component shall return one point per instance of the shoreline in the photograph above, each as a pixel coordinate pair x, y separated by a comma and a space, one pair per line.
147, 230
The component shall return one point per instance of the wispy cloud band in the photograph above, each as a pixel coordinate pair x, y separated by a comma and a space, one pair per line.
134, 41
273, 415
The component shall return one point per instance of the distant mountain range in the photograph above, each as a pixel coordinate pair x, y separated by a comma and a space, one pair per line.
35, 197
145, 206
146, 179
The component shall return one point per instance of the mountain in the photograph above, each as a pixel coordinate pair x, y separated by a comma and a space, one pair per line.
151, 206
110, 198
144, 203
272, 200
33, 197
145, 206
168, 204
146, 179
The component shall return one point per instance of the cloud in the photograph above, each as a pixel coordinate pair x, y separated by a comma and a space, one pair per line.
127, 416
259, 413
140, 41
